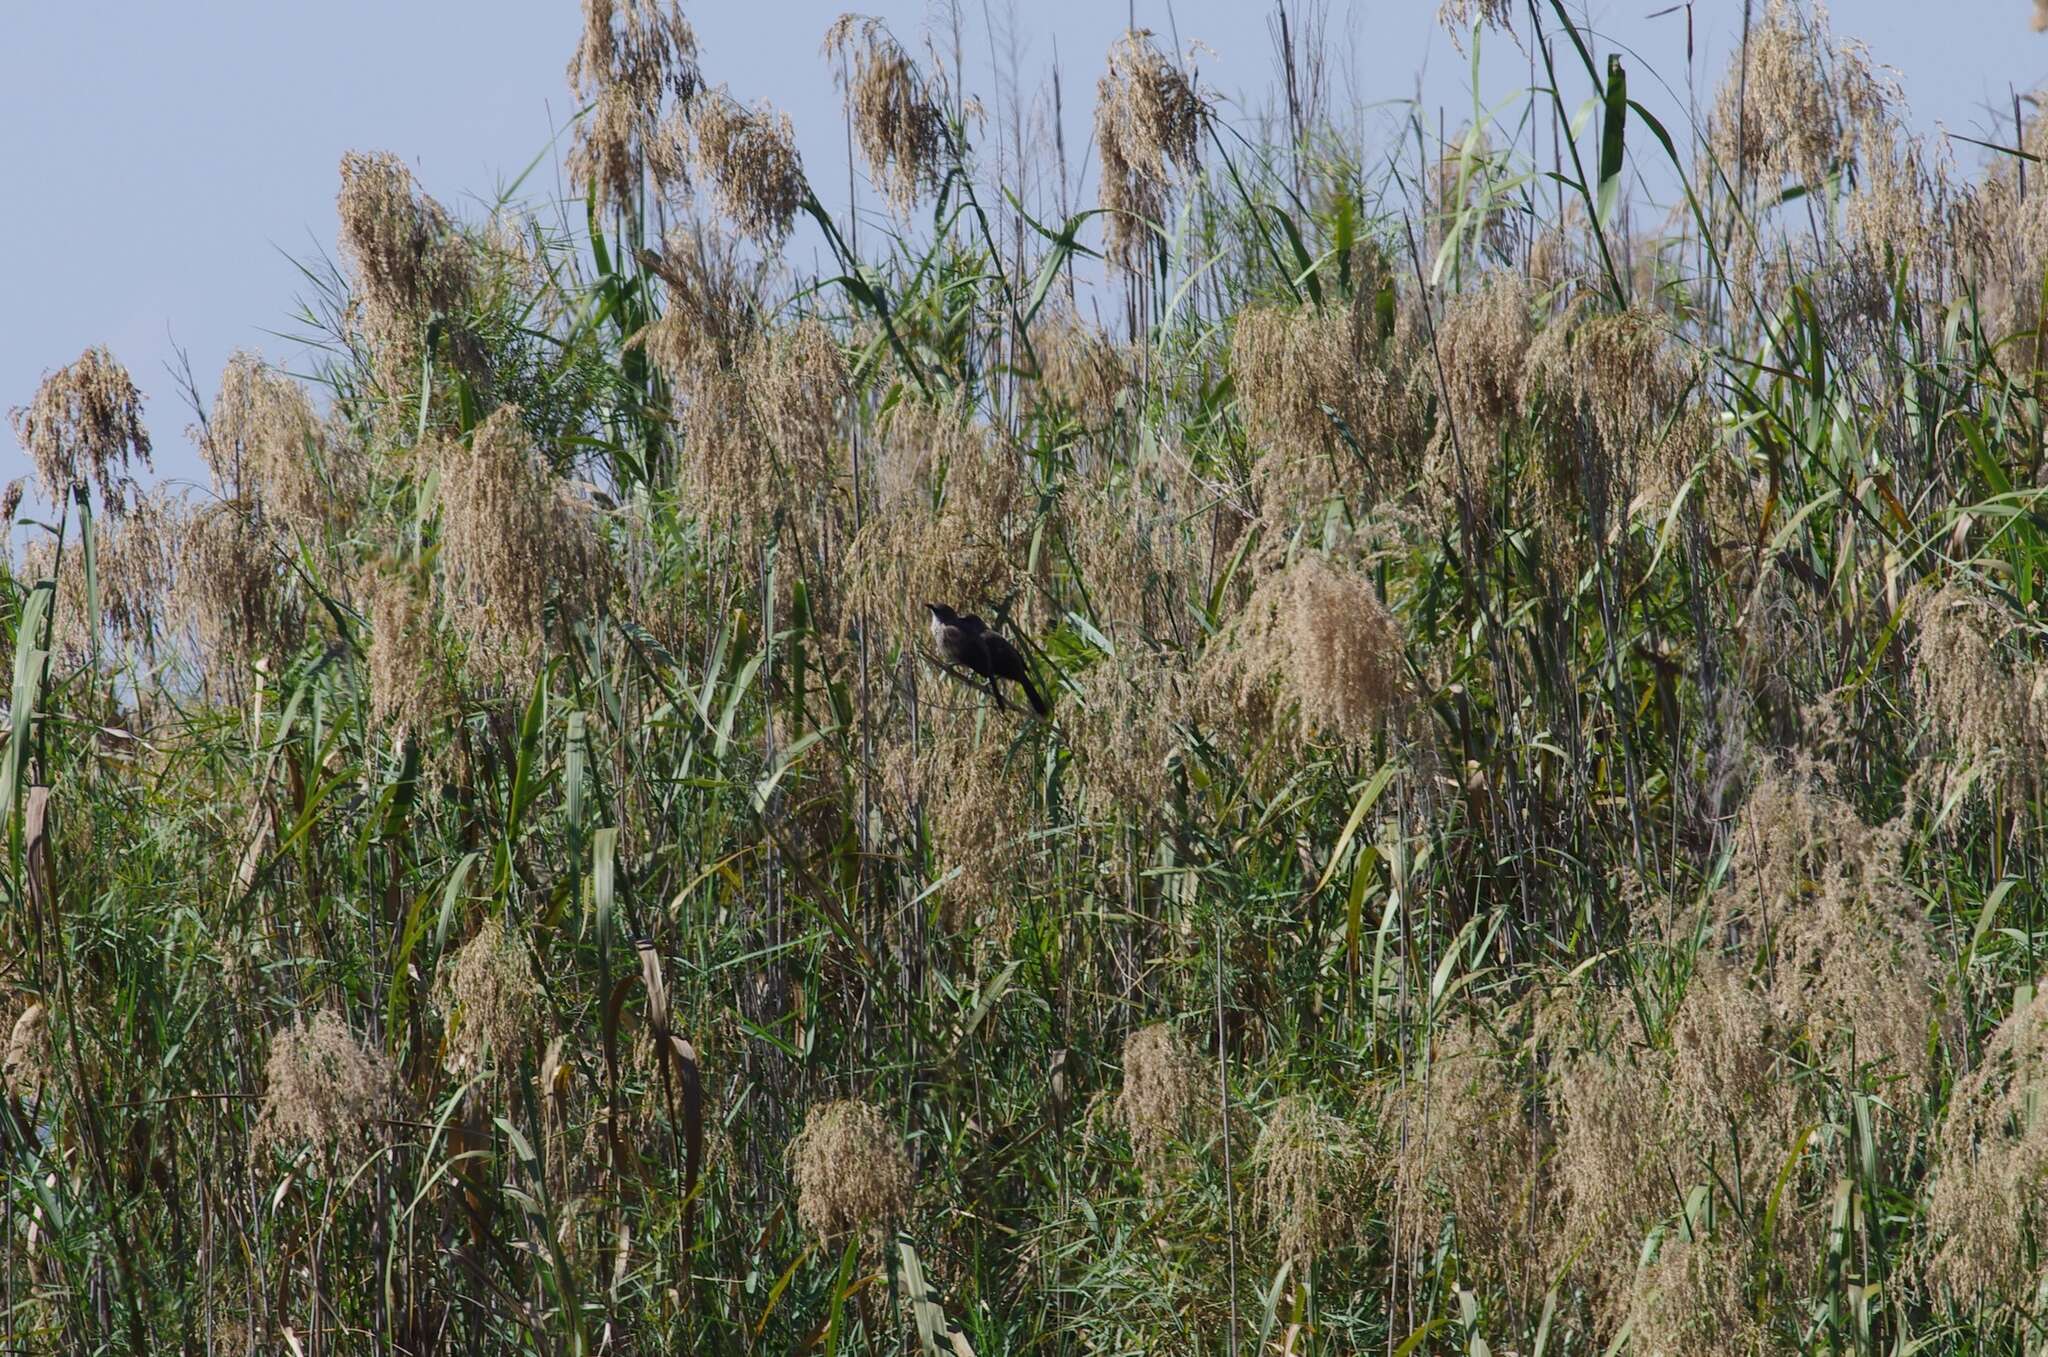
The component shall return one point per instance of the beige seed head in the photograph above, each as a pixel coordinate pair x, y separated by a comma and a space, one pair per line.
85, 424
232, 588
1977, 697
1081, 369
1482, 340
750, 157
1148, 125
1311, 1188
1318, 639
1614, 1130
898, 125
1162, 1092
1468, 1146
1692, 1299
135, 559
321, 1086
1126, 728
635, 65
27, 1061
1819, 897
1329, 403
1800, 107
491, 999
795, 381
409, 261
407, 687
975, 803
951, 518
1457, 16
513, 540
264, 443
711, 313
852, 1173
1987, 1192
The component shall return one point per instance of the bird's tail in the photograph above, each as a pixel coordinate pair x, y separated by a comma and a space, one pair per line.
1037, 702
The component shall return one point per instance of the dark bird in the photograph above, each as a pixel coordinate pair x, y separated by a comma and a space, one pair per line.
968, 642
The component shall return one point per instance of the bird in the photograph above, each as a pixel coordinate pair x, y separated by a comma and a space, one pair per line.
968, 642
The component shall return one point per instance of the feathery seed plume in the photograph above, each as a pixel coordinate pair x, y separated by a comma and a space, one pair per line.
852, 1173
85, 424
1987, 1192
1320, 639
264, 443
1148, 123
1458, 16
232, 588
636, 66
1162, 1092
407, 690
1470, 1148
973, 800
951, 518
27, 1063
491, 999
1329, 402
1801, 106
1310, 1180
899, 127
1692, 1300
513, 537
321, 1086
750, 157
410, 262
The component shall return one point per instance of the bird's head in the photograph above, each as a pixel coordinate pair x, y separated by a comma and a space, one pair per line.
942, 614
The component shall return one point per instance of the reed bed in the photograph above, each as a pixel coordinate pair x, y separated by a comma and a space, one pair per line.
1537, 847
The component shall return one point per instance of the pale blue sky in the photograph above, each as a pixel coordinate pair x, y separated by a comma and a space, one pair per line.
164, 160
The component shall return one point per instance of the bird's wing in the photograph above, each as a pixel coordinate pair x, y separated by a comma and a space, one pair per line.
1003, 657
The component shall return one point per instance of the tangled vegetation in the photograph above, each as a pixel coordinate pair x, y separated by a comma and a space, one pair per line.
1538, 846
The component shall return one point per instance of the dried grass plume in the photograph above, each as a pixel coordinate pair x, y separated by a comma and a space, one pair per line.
1163, 1090
852, 1173
514, 539
1310, 1183
85, 424
409, 260
750, 157
321, 1086
636, 66
1315, 637
491, 999
1148, 125
899, 127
